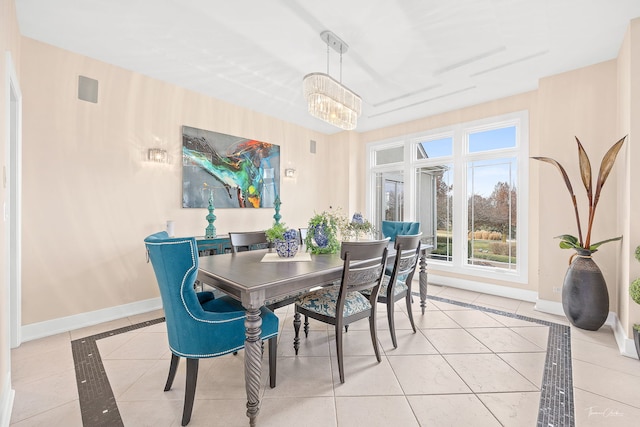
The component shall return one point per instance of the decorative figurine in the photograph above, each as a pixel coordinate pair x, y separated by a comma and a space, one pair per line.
210, 232
277, 216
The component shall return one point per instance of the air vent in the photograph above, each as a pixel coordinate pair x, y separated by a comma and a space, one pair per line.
87, 89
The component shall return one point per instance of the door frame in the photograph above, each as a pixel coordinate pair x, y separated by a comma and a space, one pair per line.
12, 181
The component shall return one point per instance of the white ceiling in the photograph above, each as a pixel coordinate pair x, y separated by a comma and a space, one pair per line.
407, 58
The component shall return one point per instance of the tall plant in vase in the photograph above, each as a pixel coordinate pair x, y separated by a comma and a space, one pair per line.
585, 298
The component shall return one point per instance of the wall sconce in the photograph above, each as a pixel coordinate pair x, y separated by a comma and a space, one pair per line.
290, 173
157, 155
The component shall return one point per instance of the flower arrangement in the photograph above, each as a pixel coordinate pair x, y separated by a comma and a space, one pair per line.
284, 240
279, 231
322, 237
359, 225
568, 241
326, 229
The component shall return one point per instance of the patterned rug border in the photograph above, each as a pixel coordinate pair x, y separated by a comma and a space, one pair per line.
97, 403
556, 394
99, 407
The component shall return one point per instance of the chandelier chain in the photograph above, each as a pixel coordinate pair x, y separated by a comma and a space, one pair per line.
327, 56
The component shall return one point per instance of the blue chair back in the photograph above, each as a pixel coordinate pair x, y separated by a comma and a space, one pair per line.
195, 330
392, 229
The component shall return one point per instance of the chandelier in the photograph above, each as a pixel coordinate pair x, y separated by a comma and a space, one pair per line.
327, 98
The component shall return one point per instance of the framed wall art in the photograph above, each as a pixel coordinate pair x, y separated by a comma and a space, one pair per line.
237, 172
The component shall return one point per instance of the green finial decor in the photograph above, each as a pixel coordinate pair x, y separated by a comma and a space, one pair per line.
277, 216
210, 232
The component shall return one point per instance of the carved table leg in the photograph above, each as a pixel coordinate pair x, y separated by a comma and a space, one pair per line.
423, 280
253, 363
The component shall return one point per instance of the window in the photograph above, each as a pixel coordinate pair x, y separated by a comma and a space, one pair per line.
389, 205
467, 185
492, 213
434, 208
389, 155
492, 139
430, 149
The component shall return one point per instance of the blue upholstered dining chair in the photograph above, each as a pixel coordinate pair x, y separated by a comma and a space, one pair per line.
391, 229
342, 304
397, 285
198, 326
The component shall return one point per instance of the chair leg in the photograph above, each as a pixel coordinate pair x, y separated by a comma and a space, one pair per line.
306, 326
410, 313
273, 357
190, 391
392, 323
173, 368
339, 351
296, 327
374, 335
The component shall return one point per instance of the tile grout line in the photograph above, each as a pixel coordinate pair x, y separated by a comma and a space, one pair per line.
556, 393
99, 407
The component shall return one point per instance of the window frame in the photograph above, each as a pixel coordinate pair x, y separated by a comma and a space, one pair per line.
460, 159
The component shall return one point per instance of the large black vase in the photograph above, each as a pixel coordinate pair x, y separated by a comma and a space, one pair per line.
585, 298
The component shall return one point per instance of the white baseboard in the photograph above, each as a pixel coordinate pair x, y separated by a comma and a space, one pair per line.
64, 324
555, 307
626, 345
550, 307
7, 394
485, 288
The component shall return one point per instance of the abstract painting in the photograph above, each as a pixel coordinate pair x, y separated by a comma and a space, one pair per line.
236, 172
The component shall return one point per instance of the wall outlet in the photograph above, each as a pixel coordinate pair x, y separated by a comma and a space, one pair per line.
557, 290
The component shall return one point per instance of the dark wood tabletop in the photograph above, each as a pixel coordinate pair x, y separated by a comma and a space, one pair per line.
245, 277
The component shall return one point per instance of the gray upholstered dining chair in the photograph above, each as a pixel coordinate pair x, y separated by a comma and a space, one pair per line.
342, 304
397, 285
248, 240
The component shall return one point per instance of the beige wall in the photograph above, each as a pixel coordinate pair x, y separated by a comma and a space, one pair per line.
628, 109
90, 198
9, 42
578, 103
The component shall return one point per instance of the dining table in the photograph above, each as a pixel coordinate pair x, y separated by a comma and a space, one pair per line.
253, 277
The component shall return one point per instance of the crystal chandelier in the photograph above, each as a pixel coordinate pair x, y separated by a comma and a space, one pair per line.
327, 98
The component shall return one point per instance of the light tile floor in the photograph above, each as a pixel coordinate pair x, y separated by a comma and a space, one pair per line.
464, 367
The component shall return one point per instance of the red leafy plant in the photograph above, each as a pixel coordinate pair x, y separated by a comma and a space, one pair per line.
567, 241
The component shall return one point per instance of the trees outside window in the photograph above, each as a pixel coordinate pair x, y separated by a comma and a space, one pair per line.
467, 185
